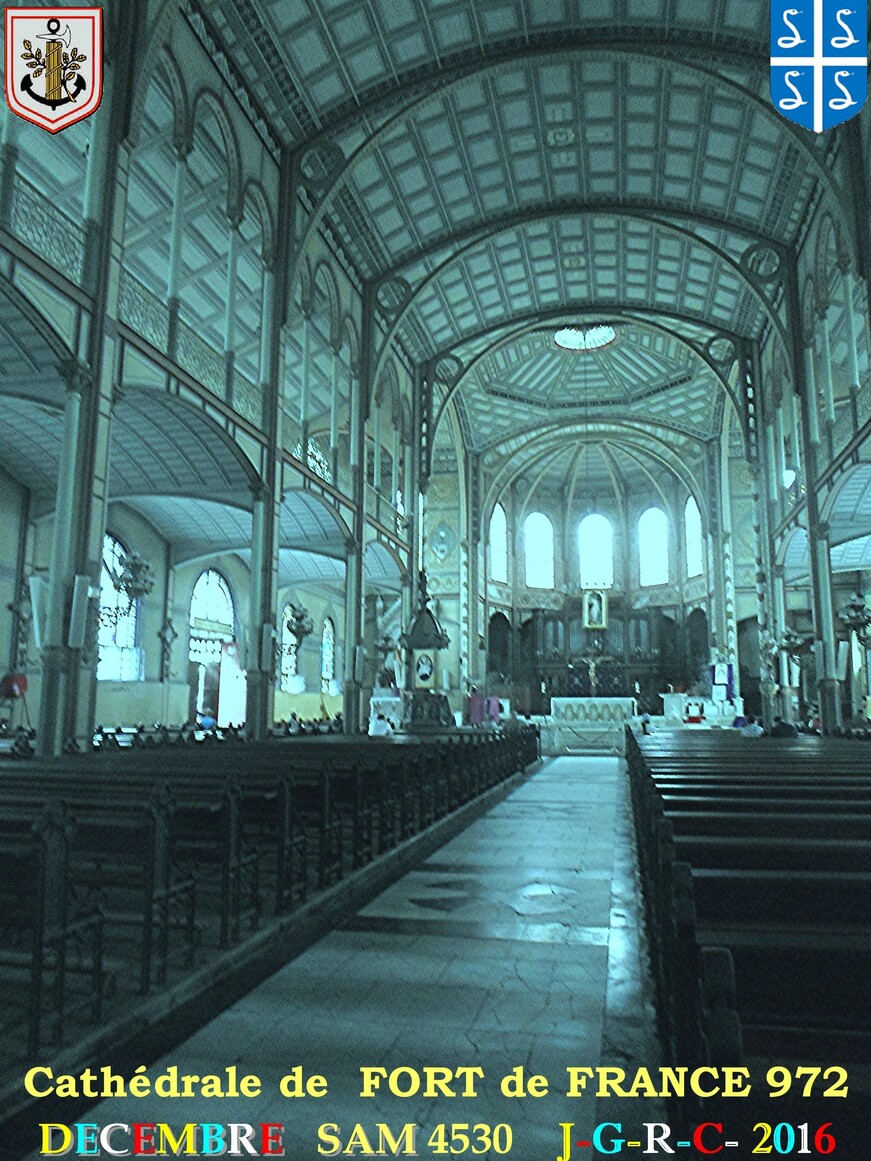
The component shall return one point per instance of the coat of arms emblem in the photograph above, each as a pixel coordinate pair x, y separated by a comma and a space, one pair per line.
54, 64
819, 61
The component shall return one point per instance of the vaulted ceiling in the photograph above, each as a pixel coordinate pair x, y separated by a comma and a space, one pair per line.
500, 168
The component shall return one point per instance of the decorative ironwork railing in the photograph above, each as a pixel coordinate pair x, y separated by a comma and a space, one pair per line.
48, 231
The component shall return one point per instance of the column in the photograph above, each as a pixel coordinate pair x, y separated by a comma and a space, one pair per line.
8, 165
260, 659
852, 347
67, 710
824, 626
49, 737
334, 411
176, 230
377, 454
394, 464
304, 382
828, 386
779, 446
354, 590
812, 400
230, 308
778, 629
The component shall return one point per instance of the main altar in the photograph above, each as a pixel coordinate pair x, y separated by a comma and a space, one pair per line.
585, 725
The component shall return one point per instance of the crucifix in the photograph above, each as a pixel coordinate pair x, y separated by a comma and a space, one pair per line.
591, 660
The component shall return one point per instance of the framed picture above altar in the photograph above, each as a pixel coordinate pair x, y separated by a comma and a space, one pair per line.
595, 608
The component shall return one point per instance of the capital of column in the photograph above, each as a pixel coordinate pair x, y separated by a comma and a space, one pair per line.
77, 375
819, 530
259, 491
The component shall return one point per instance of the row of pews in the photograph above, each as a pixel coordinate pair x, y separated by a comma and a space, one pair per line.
123, 870
755, 862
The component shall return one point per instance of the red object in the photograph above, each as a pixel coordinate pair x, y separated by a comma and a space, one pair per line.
13, 686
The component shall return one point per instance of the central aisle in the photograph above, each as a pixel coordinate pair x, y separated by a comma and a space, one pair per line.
515, 944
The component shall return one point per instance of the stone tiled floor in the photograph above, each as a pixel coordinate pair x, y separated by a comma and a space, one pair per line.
515, 944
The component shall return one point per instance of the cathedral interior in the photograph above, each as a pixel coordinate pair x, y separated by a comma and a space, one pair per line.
538, 304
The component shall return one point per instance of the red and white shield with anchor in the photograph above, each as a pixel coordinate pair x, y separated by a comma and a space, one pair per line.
54, 64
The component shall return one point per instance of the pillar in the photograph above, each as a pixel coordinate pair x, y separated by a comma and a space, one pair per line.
354, 592
176, 231
60, 580
230, 307
824, 626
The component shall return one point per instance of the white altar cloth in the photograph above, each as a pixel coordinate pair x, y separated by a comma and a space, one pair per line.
587, 724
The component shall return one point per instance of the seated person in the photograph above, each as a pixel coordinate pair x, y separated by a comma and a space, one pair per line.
208, 721
380, 728
753, 729
782, 729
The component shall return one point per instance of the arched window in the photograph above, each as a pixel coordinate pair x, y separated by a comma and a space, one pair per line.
212, 625
288, 652
693, 528
653, 547
328, 655
538, 537
499, 545
596, 551
120, 657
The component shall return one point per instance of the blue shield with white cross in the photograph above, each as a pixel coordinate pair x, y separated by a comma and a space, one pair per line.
819, 60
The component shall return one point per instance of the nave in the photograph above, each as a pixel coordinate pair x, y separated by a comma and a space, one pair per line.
516, 943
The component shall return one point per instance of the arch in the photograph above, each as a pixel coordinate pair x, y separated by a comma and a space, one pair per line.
498, 643
693, 540
389, 123
498, 545
490, 233
35, 361
326, 279
212, 605
536, 444
215, 678
255, 192
847, 508
539, 553
829, 258
212, 100
348, 335
653, 547
157, 56
596, 551
383, 567
533, 321
164, 445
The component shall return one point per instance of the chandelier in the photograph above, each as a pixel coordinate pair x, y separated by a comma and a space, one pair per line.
136, 578
856, 616
299, 623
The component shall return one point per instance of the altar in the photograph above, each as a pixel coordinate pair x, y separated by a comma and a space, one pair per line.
583, 725
679, 708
